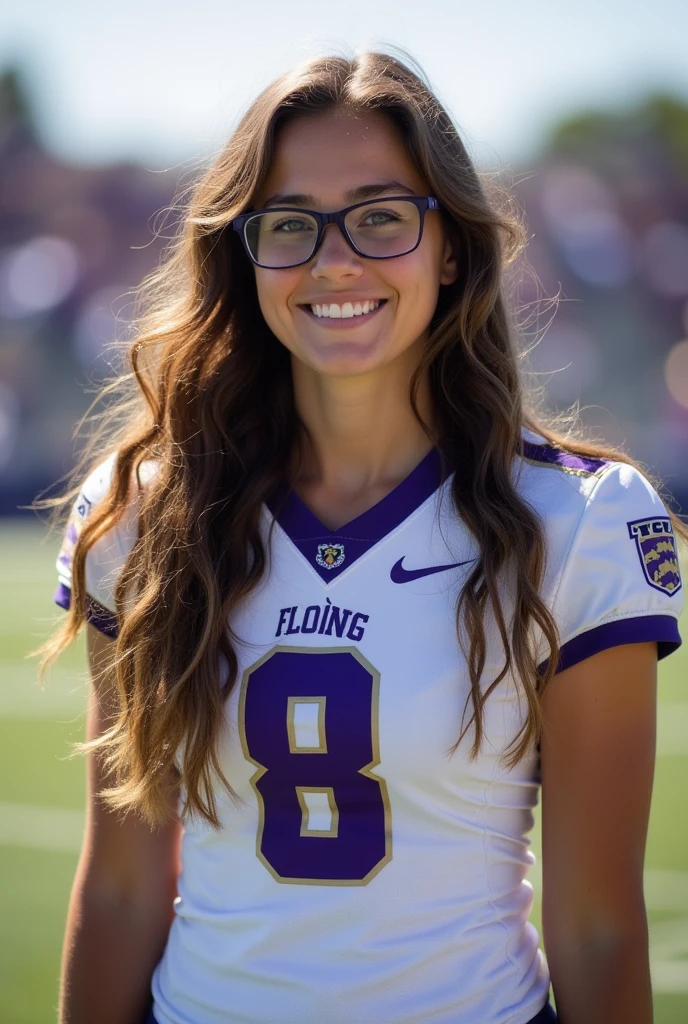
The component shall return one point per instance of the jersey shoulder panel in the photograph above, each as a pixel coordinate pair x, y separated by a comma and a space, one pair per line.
620, 579
105, 559
553, 466
540, 452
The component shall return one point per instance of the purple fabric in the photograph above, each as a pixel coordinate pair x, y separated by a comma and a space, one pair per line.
361, 845
547, 1015
99, 616
398, 574
663, 629
307, 532
63, 596
554, 456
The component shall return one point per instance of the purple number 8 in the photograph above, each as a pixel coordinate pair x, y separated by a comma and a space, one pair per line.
342, 688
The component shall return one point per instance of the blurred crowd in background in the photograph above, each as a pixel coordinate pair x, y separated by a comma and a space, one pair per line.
606, 205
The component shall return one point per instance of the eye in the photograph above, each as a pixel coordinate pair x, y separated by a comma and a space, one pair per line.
291, 224
382, 217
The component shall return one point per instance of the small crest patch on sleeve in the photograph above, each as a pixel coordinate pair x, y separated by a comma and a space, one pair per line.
79, 514
330, 556
656, 546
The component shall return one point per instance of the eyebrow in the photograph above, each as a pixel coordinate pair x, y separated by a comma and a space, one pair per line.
354, 195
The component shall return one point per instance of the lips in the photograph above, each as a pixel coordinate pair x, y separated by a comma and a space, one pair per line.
343, 321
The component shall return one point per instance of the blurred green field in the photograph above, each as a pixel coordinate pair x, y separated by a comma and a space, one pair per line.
42, 797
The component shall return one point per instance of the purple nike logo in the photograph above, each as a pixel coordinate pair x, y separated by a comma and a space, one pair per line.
400, 575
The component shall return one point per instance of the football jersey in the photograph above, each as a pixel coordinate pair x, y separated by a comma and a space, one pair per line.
367, 875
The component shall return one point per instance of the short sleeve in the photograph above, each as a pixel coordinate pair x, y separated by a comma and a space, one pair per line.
621, 581
105, 558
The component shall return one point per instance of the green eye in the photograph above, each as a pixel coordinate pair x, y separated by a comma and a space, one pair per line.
386, 217
289, 225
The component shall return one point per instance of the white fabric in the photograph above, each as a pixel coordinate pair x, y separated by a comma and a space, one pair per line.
107, 556
438, 931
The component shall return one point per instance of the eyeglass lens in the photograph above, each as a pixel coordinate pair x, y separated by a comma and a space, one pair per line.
284, 237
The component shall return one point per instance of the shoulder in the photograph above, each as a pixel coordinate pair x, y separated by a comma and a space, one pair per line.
97, 483
561, 483
612, 573
540, 453
552, 476
92, 493
108, 553
96, 486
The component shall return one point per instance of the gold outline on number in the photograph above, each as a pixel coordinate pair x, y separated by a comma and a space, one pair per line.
366, 770
294, 748
329, 833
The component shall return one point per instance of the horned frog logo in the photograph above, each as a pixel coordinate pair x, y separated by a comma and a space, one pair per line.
330, 556
656, 546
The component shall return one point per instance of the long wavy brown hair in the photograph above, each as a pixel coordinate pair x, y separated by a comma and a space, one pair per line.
208, 398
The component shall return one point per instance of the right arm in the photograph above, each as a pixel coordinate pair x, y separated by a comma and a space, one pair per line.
121, 906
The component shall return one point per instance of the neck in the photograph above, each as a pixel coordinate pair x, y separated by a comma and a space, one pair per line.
362, 430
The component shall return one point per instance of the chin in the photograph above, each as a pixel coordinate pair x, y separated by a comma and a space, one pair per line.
346, 360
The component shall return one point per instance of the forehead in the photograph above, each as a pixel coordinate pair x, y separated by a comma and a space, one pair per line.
326, 154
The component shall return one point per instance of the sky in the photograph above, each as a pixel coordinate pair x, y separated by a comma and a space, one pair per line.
162, 82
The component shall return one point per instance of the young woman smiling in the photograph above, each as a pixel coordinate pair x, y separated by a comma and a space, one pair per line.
325, 527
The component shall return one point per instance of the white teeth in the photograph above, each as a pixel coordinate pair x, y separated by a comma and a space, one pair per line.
346, 311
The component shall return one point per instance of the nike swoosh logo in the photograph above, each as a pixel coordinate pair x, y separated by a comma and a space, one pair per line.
400, 575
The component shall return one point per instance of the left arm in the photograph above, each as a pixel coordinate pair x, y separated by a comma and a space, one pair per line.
597, 764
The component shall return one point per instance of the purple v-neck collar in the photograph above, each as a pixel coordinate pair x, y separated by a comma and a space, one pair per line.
349, 542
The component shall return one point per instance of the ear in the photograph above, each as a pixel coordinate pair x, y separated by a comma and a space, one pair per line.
449, 270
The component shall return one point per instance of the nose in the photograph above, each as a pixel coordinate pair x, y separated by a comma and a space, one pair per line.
335, 257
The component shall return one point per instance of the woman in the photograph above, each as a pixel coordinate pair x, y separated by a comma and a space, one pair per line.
325, 531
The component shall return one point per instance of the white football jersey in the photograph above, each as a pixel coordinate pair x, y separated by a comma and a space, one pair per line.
367, 875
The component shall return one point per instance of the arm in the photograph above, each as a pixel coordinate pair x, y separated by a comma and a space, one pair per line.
597, 763
120, 908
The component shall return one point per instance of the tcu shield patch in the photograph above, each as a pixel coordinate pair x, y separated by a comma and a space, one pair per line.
330, 556
656, 546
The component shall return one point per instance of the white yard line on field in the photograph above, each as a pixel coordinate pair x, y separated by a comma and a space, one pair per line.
672, 729
668, 955
666, 890
41, 828
64, 695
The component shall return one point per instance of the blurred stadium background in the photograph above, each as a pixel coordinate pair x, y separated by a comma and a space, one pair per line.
605, 194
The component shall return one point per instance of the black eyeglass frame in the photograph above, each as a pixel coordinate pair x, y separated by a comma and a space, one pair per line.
423, 203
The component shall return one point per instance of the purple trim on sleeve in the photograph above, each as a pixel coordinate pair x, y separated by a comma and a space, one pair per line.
99, 616
546, 453
63, 596
661, 628
307, 533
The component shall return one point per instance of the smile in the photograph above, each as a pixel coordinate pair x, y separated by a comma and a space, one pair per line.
348, 311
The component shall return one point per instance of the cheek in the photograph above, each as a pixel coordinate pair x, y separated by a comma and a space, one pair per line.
266, 303
418, 284
273, 292
418, 273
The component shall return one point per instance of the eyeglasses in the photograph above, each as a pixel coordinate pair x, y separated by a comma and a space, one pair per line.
379, 229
